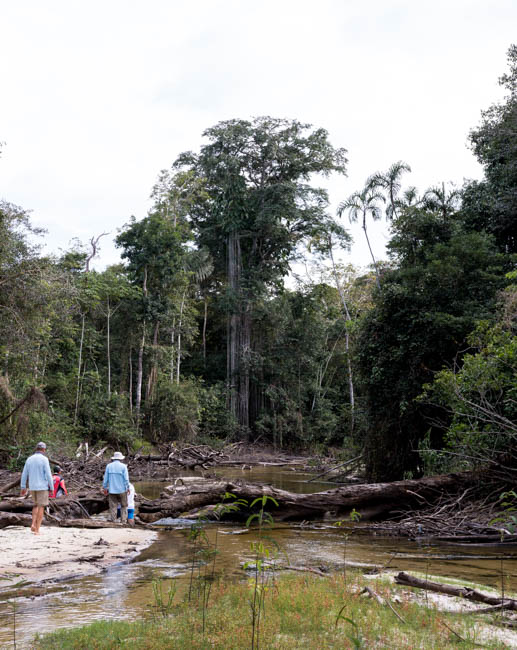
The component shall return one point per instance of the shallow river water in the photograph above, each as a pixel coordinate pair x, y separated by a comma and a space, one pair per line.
125, 590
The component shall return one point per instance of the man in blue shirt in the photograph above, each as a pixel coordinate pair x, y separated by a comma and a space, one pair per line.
36, 473
116, 486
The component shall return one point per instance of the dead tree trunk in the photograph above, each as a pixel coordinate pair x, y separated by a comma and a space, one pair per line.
373, 501
452, 590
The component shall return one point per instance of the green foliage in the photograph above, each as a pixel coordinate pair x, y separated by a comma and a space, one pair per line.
215, 419
490, 203
105, 419
480, 396
256, 209
508, 516
419, 322
356, 637
163, 604
175, 412
195, 337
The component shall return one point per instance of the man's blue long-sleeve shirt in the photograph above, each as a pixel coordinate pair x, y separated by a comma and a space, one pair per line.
36, 472
116, 478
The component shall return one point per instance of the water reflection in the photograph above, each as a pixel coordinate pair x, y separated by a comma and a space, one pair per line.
282, 478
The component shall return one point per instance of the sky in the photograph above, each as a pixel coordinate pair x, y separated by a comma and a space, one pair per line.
98, 97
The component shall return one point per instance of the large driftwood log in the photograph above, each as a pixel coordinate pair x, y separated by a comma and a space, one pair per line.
463, 592
373, 501
14, 519
80, 505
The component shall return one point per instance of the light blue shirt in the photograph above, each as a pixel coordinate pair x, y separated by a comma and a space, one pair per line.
36, 472
116, 478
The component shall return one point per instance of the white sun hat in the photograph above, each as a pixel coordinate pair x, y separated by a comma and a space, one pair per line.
117, 456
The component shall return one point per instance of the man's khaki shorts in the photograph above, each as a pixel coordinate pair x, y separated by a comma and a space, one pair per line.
40, 497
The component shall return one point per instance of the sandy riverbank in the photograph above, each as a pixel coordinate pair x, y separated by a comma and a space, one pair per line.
60, 553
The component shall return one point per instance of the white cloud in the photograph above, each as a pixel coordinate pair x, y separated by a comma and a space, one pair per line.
98, 97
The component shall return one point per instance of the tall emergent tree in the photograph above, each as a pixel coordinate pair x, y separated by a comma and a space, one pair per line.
259, 206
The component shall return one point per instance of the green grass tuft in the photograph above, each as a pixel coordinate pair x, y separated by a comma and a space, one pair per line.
301, 612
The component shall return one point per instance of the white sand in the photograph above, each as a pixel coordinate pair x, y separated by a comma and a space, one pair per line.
60, 553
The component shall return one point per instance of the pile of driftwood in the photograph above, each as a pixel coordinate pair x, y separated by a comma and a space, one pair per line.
466, 516
86, 470
78, 507
187, 457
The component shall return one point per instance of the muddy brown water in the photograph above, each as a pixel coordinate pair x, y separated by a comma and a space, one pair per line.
125, 590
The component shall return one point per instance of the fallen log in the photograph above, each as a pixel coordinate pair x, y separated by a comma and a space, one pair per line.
333, 469
16, 504
373, 501
468, 593
14, 519
11, 485
304, 569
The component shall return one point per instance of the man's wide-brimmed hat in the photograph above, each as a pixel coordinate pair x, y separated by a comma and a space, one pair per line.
117, 456
41, 445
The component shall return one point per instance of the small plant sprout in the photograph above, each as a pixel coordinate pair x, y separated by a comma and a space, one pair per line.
262, 553
163, 600
356, 637
353, 517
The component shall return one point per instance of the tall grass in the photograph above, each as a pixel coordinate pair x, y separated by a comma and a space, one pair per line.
302, 613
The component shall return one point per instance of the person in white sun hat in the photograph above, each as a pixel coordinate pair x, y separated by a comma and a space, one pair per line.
116, 486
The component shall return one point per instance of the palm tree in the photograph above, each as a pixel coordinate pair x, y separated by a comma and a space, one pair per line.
410, 198
439, 199
390, 182
361, 204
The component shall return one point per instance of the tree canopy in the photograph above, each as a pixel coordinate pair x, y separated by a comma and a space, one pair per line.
203, 332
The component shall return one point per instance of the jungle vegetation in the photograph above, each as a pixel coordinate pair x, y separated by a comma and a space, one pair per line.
198, 335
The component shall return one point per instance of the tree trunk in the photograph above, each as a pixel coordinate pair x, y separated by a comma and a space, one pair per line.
140, 372
347, 337
108, 314
178, 360
79, 369
373, 501
153, 373
377, 279
173, 337
205, 318
453, 590
233, 322
244, 370
12, 484
130, 388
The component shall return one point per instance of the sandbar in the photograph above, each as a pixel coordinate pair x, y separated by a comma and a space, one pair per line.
62, 553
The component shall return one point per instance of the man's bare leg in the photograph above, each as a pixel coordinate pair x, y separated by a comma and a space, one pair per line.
34, 518
39, 518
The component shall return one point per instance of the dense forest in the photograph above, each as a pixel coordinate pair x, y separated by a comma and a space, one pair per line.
198, 335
